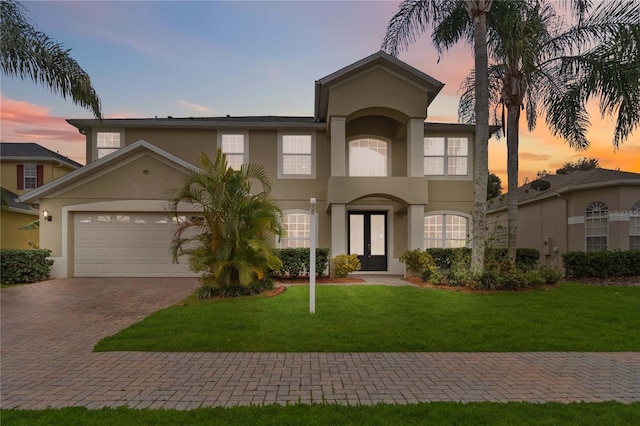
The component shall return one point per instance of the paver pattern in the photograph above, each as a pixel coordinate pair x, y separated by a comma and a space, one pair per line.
49, 329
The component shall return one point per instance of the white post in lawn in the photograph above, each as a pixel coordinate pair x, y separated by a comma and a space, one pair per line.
312, 259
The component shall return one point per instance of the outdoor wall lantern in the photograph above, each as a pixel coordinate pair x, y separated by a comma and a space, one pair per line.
47, 216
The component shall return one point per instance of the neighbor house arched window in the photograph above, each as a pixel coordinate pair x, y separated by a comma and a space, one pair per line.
597, 226
368, 157
297, 229
445, 230
634, 227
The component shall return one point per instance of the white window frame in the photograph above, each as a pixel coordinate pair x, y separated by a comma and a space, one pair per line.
446, 156
281, 155
595, 215
443, 234
30, 171
373, 138
634, 226
284, 241
97, 149
245, 142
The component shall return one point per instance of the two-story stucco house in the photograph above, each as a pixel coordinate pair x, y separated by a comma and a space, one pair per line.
23, 168
386, 181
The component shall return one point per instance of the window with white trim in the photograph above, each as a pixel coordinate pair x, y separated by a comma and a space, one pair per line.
445, 231
446, 156
634, 227
297, 229
30, 176
296, 155
597, 226
368, 157
107, 143
235, 148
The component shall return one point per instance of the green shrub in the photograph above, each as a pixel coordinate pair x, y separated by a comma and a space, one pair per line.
419, 261
256, 287
495, 258
346, 263
296, 261
551, 275
601, 264
24, 266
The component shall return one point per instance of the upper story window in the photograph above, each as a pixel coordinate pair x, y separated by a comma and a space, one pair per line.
634, 227
596, 226
368, 157
297, 227
296, 155
107, 142
234, 146
29, 176
445, 231
446, 156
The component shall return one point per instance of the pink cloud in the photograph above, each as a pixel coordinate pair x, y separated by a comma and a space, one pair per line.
26, 122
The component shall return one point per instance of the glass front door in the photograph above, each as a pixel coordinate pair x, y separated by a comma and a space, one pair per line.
368, 239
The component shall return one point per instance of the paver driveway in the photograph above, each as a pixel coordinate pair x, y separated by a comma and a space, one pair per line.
49, 329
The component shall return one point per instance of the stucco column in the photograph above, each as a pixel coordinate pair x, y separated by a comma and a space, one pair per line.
415, 147
415, 225
338, 229
338, 146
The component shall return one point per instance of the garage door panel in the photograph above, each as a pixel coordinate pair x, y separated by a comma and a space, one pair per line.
124, 244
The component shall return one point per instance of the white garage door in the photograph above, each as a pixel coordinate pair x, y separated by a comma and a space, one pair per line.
124, 245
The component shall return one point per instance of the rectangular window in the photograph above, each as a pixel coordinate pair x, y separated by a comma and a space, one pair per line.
446, 156
30, 176
107, 143
297, 227
296, 156
634, 232
445, 231
233, 146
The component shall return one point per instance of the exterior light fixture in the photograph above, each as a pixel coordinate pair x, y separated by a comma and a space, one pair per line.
47, 216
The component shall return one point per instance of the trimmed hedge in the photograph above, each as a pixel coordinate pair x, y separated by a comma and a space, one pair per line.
526, 258
296, 262
24, 266
601, 264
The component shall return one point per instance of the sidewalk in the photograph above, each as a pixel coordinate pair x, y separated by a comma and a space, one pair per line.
49, 329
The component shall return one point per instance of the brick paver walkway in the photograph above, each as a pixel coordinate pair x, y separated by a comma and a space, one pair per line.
48, 331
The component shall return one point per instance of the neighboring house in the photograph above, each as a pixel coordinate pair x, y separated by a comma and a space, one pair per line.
580, 211
385, 180
25, 167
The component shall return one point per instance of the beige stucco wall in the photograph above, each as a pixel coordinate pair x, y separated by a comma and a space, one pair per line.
377, 87
10, 234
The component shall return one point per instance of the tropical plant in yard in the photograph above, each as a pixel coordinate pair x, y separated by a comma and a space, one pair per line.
227, 240
468, 20
28, 53
541, 66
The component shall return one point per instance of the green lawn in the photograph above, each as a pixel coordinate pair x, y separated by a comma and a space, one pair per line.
436, 413
571, 317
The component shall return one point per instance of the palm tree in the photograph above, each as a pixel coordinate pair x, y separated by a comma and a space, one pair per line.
28, 53
470, 17
542, 67
227, 240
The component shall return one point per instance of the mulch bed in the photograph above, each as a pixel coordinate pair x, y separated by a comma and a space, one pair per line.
628, 281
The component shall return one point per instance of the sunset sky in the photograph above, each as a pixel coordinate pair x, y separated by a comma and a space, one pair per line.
161, 58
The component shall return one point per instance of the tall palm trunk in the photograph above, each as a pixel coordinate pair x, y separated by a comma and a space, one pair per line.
513, 125
477, 11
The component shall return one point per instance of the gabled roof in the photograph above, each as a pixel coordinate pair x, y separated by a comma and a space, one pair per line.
102, 164
30, 151
574, 181
15, 205
377, 59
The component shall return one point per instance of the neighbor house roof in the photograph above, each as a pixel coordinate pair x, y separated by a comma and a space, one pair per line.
15, 205
560, 184
29, 151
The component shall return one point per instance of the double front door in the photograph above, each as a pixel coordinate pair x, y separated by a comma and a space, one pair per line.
368, 239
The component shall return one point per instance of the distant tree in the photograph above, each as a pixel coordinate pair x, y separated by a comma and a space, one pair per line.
583, 164
494, 186
227, 241
28, 53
